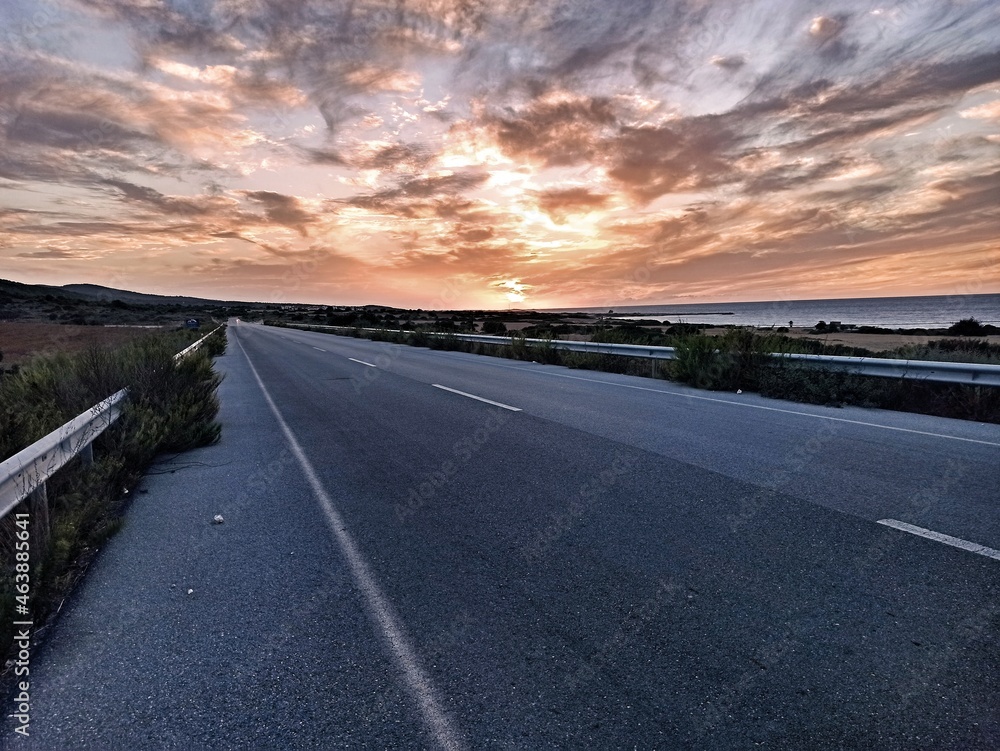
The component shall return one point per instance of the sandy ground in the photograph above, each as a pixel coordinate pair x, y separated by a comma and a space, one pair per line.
873, 342
21, 341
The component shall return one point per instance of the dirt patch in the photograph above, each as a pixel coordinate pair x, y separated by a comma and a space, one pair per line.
21, 341
880, 342
873, 342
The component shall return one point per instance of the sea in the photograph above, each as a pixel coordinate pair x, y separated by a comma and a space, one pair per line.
930, 312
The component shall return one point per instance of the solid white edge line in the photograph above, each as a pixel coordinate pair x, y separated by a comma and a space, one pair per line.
955, 542
477, 398
751, 406
392, 629
361, 361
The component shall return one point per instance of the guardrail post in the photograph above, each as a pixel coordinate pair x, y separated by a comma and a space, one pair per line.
38, 507
87, 455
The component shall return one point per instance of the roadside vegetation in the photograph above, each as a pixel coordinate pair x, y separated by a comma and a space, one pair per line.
171, 408
979, 403
738, 360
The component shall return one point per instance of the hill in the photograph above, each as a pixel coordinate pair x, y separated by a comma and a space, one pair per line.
89, 292
92, 304
97, 292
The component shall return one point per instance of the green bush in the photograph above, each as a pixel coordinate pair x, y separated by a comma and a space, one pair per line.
170, 407
417, 339
826, 387
494, 327
834, 388
448, 342
735, 360
545, 352
971, 327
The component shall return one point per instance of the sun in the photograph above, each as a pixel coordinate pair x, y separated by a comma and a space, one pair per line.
513, 289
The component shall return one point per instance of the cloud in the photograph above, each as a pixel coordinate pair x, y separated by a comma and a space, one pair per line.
165, 204
117, 229
686, 155
282, 209
169, 27
429, 195
560, 203
829, 132
791, 175
474, 234
825, 29
374, 79
323, 156
987, 111
729, 62
60, 122
458, 182
972, 198
247, 88
50, 253
391, 157
85, 129
553, 131
914, 83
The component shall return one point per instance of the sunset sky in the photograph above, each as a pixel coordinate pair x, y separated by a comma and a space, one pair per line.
475, 154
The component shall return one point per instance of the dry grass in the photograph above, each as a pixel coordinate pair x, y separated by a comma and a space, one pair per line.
20, 342
873, 342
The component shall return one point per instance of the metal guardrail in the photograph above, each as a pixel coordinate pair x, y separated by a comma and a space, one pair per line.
968, 373
23, 476
972, 374
28, 470
600, 348
189, 349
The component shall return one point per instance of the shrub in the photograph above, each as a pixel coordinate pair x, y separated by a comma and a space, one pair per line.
518, 349
903, 394
417, 339
825, 387
971, 327
732, 361
171, 407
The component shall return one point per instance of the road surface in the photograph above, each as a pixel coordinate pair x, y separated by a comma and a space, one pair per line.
439, 550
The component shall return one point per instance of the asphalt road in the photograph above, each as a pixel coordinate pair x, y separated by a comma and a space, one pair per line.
590, 561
